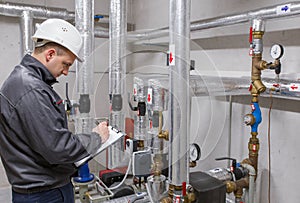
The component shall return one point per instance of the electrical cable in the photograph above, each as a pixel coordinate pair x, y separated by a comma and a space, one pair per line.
128, 169
269, 148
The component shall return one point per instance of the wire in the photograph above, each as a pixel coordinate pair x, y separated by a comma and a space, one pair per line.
128, 169
269, 147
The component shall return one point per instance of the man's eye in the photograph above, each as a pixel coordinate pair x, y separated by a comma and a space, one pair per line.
66, 64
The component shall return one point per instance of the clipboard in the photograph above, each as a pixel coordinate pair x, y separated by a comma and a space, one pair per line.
114, 136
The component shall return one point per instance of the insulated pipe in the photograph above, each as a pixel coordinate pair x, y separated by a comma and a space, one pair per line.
252, 187
117, 42
264, 13
26, 28
15, 10
117, 71
40, 12
179, 111
100, 33
84, 21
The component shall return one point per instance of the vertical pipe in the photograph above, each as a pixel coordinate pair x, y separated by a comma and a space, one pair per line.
84, 17
26, 27
117, 70
229, 130
179, 91
84, 20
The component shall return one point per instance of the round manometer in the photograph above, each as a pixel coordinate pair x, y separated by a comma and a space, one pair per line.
195, 152
276, 51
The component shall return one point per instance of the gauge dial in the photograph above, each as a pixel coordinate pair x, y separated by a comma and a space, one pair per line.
276, 51
249, 119
195, 152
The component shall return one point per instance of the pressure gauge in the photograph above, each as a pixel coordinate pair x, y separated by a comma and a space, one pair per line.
195, 152
276, 51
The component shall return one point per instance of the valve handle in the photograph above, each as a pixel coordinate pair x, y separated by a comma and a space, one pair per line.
233, 164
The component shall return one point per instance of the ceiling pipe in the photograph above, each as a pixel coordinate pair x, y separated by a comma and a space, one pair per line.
39, 12
264, 13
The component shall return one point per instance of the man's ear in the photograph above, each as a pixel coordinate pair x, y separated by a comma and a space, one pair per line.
50, 53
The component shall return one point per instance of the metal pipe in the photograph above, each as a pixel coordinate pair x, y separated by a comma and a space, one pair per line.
39, 12
179, 91
84, 17
252, 174
101, 33
117, 71
26, 28
84, 21
264, 13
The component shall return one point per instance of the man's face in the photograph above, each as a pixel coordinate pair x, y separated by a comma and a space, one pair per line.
60, 64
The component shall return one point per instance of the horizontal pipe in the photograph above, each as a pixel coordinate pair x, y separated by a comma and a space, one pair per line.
16, 10
207, 85
40, 12
264, 13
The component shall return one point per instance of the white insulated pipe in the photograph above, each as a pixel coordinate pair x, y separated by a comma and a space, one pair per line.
179, 94
26, 28
39, 12
264, 13
252, 187
117, 42
84, 21
117, 72
84, 17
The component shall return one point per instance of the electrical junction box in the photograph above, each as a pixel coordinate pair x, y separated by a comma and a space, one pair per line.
141, 163
207, 188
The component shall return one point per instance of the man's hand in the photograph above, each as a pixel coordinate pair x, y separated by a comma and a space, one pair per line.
102, 130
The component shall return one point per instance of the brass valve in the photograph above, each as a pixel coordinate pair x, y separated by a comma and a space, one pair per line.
164, 134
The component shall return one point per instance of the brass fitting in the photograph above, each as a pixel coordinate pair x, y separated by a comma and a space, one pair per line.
192, 164
164, 135
253, 147
242, 183
237, 186
190, 195
257, 65
230, 186
157, 165
140, 144
258, 34
166, 200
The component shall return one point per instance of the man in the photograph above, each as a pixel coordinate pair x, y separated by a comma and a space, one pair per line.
37, 149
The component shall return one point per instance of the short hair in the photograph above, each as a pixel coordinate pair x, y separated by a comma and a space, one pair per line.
61, 50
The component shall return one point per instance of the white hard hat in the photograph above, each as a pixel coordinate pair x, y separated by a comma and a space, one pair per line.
60, 32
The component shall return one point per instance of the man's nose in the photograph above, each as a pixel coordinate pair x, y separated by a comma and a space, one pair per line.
65, 72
